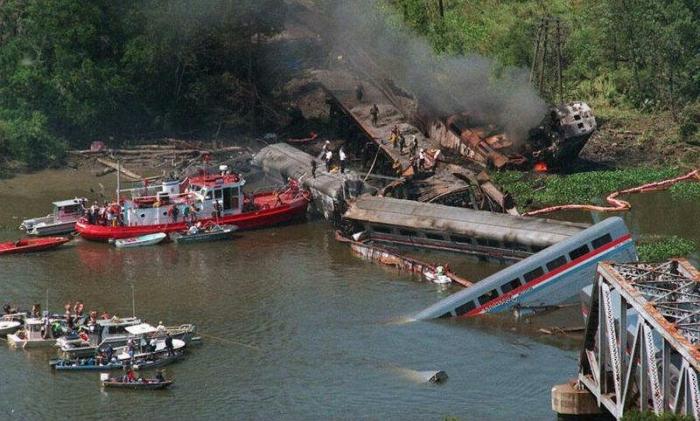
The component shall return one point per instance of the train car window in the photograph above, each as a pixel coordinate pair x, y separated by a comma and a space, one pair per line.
408, 233
509, 286
576, 253
601, 241
559, 261
465, 308
533, 274
485, 298
385, 230
458, 239
434, 236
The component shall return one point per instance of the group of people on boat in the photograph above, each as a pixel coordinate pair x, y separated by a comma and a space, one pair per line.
107, 214
130, 376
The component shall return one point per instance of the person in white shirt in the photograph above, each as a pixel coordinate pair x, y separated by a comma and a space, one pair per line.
343, 157
328, 158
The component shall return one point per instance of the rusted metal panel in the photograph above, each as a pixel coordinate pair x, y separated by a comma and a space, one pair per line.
390, 258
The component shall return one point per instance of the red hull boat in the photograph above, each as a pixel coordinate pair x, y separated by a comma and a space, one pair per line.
27, 245
206, 195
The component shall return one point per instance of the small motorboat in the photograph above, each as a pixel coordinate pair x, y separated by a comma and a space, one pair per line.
62, 221
122, 353
144, 240
26, 245
84, 364
9, 326
438, 276
93, 364
33, 335
140, 384
212, 233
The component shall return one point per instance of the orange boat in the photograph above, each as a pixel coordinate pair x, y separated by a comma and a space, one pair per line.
175, 205
27, 245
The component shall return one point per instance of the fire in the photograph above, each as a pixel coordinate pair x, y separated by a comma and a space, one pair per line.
540, 167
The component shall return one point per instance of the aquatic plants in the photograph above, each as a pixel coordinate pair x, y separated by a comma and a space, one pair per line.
655, 248
588, 187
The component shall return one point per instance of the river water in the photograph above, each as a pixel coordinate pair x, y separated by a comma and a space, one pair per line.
293, 326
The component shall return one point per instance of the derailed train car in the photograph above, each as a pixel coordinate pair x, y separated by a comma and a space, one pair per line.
481, 233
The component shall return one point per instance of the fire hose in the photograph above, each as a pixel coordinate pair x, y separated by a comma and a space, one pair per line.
619, 205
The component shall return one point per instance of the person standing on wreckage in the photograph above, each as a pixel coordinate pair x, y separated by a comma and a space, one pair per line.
328, 157
343, 157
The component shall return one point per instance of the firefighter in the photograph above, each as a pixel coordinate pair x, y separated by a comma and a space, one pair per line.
374, 112
414, 146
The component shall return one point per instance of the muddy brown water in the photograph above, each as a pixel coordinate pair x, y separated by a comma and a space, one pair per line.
293, 325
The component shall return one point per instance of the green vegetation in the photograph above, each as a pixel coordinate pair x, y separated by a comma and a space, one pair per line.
636, 63
656, 249
650, 416
642, 53
588, 187
72, 72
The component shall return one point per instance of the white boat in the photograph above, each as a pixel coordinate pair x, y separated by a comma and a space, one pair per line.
122, 353
438, 276
144, 240
116, 332
11, 322
31, 335
62, 221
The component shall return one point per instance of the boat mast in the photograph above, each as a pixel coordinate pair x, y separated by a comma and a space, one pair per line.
119, 170
133, 302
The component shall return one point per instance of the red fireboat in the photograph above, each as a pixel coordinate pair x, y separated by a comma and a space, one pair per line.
174, 205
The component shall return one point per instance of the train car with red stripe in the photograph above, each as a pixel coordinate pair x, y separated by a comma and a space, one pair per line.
553, 276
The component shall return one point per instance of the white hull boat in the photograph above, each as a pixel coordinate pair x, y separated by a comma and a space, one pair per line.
62, 221
20, 342
144, 240
8, 327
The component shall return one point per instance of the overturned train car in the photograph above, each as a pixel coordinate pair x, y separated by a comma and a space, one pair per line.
550, 277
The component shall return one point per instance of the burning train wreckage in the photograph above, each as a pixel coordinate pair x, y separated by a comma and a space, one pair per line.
556, 141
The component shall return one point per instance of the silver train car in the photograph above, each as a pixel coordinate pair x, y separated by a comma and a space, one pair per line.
552, 276
485, 234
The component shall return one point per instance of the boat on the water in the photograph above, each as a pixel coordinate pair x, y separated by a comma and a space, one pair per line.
212, 233
140, 384
175, 205
116, 332
106, 332
34, 334
94, 364
61, 221
122, 353
10, 323
27, 245
140, 241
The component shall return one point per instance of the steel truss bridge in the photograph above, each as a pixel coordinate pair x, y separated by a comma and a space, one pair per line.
641, 347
